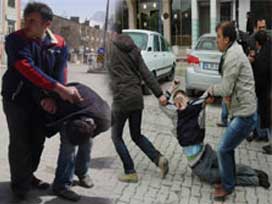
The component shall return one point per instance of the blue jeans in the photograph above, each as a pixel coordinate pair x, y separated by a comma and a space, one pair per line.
238, 129
224, 113
135, 119
71, 162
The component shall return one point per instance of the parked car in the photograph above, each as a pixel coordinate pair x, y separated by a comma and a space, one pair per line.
203, 61
155, 51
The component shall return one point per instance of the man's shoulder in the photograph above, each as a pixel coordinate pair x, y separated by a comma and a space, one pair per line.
56, 39
15, 36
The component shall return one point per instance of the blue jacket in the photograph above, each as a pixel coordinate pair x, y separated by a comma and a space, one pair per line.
32, 64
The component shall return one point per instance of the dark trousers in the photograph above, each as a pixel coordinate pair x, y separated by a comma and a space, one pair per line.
135, 120
25, 145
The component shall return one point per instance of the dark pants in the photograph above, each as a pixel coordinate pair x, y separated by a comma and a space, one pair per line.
135, 119
25, 145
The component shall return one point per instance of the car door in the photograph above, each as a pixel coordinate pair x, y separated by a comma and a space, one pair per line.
166, 57
155, 53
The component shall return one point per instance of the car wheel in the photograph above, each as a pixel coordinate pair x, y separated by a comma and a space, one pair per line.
171, 75
190, 92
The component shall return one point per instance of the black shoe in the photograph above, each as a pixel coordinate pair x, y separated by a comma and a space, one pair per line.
19, 195
220, 124
251, 137
263, 178
67, 194
86, 182
39, 184
267, 149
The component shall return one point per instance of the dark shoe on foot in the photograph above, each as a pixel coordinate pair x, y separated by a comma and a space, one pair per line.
251, 137
220, 194
220, 124
67, 194
267, 149
19, 195
263, 178
39, 184
86, 182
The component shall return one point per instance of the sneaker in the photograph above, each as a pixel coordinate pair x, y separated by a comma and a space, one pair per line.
86, 182
163, 165
220, 124
67, 194
129, 178
39, 184
263, 178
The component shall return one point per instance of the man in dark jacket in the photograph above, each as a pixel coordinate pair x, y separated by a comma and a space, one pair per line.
77, 123
127, 70
36, 58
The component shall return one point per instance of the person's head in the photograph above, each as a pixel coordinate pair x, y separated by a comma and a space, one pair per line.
180, 99
261, 38
79, 130
260, 24
248, 14
226, 34
37, 18
116, 29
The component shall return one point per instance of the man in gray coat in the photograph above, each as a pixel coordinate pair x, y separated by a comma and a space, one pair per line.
238, 90
127, 70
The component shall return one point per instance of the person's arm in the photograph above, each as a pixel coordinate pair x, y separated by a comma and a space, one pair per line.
231, 72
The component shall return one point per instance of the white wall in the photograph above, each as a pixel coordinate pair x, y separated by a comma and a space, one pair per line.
244, 7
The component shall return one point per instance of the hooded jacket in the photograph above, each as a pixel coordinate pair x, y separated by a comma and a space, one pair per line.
127, 70
92, 106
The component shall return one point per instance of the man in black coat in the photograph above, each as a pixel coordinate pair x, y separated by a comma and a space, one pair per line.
262, 74
127, 70
77, 123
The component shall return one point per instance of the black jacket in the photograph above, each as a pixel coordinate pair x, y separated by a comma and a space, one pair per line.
127, 70
190, 130
92, 106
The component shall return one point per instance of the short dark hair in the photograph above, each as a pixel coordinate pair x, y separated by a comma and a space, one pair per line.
78, 130
261, 37
228, 30
260, 18
179, 91
41, 8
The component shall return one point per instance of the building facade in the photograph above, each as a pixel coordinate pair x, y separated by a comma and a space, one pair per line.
10, 20
183, 21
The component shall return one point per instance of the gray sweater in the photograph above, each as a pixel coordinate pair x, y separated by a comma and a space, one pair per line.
238, 82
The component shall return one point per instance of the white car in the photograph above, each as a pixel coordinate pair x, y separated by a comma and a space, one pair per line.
155, 51
203, 61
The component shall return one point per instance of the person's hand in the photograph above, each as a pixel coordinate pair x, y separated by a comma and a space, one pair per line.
163, 100
49, 105
70, 94
251, 59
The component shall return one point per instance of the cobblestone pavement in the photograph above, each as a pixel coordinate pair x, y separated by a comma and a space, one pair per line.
179, 187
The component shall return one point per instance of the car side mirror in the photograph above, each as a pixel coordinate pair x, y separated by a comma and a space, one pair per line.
149, 49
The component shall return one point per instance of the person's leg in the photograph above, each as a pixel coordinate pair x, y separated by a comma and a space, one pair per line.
268, 148
135, 121
83, 159
20, 157
119, 144
65, 170
237, 130
246, 176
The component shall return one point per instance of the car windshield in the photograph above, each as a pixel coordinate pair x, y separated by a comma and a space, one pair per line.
207, 43
140, 39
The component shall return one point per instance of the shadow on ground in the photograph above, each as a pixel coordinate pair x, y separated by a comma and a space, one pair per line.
44, 197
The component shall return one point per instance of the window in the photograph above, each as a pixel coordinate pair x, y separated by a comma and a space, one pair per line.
11, 3
207, 43
156, 43
140, 39
11, 26
164, 45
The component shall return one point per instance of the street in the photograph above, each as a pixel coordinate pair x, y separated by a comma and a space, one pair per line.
179, 187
